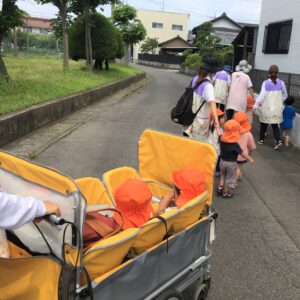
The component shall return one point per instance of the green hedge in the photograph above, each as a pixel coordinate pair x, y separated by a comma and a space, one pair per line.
193, 60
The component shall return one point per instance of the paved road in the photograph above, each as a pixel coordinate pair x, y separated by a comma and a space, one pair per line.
257, 253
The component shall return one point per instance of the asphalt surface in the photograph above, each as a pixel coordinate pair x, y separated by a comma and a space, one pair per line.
257, 251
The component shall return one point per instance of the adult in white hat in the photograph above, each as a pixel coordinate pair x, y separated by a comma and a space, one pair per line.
240, 86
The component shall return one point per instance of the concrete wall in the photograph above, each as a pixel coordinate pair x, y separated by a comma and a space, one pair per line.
188, 70
158, 65
295, 139
277, 11
147, 17
18, 124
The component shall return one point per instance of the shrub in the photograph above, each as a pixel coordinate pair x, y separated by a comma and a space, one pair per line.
224, 55
187, 52
193, 60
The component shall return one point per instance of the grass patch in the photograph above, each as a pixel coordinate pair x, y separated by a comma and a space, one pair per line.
39, 79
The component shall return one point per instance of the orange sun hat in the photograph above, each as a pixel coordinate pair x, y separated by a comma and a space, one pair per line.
191, 183
250, 102
133, 199
231, 132
219, 113
242, 118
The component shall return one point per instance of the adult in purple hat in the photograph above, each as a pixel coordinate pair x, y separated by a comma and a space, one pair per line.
221, 82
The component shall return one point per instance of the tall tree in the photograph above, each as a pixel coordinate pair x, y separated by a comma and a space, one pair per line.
10, 17
63, 10
207, 41
86, 7
130, 27
149, 45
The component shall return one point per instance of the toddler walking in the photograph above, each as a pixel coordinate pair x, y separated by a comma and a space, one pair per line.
249, 109
230, 149
246, 140
289, 113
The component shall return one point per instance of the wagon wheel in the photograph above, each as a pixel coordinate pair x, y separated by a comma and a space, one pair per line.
202, 290
170, 295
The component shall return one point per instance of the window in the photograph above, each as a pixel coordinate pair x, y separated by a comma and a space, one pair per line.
157, 25
177, 27
277, 38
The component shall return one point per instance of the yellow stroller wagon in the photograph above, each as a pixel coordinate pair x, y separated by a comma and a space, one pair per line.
157, 261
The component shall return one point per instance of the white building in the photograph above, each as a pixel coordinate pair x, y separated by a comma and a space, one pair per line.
162, 25
279, 43
279, 36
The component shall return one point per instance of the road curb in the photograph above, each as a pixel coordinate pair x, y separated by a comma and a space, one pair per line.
18, 124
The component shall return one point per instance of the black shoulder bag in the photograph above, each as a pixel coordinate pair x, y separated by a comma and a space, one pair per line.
182, 113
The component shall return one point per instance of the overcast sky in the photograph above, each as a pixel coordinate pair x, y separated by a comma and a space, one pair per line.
247, 11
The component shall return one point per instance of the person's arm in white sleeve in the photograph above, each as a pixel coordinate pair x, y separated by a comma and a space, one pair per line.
261, 96
284, 92
15, 211
209, 97
250, 87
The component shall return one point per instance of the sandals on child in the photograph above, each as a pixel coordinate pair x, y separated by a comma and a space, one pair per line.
220, 190
227, 195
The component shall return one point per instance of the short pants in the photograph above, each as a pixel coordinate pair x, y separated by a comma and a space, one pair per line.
287, 131
228, 173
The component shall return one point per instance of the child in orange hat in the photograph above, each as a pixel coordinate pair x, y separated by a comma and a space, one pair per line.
188, 182
246, 141
133, 199
214, 134
133, 209
230, 149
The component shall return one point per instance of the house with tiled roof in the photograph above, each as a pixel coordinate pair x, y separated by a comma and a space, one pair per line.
224, 27
36, 25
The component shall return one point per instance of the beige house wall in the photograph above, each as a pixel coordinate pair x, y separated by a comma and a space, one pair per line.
168, 19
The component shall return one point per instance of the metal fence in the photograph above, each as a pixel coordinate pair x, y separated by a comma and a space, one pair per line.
292, 82
31, 44
164, 59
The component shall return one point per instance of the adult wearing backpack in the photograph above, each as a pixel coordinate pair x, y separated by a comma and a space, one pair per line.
204, 96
